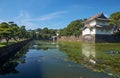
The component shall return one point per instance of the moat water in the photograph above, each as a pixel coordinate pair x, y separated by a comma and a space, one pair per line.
43, 59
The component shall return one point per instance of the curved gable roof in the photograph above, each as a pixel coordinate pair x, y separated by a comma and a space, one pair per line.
98, 16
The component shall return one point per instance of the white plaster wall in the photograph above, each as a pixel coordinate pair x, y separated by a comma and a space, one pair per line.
93, 23
87, 31
96, 31
104, 32
102, 23
93, 31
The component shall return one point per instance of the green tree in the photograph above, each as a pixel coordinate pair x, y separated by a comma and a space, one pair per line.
22, 32
15, 30
38, 33
45, 33
45, 30
32, 34
63, 32
10, 31
52, 32
115, 21
74, 28
5, 31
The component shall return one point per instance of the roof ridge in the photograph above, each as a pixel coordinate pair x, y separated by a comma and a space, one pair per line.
100, 15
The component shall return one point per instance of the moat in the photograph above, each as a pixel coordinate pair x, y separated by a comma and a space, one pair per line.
43, 59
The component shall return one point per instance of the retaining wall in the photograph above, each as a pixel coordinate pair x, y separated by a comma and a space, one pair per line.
9, 50
93, 38
70, 38
101, 38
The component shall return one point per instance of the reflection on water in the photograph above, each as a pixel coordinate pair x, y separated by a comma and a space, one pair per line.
98, 57
44, 45
89, 52
9, 67
63, 60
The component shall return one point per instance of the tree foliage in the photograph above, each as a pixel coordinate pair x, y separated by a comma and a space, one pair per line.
11, 31
45, 33
74, 28
115, 21
5, 31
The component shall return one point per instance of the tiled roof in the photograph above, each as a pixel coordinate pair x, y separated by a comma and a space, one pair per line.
98, 17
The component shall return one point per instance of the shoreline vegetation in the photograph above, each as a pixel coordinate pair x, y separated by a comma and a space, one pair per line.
2, 44
100, 57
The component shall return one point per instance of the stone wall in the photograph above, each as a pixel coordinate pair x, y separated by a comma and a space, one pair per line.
70, 38
101, 38
93, 38
107, 38
88, 38
10, 50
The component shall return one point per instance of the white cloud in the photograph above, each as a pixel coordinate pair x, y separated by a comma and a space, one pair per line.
24, 15
51, 16
24, 18
30, 25
47, 17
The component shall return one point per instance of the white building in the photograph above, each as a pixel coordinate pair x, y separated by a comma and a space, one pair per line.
97, 29
97, 25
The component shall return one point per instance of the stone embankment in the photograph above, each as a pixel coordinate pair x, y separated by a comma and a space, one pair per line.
92, 38
70, 38
101, 38
9, 50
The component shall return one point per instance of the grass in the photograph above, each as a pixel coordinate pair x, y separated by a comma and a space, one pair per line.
106, 61
5, 43
9, 43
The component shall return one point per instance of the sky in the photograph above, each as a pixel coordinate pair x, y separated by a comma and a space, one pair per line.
53, 14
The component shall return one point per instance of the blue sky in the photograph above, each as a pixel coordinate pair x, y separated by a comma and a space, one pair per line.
55, 14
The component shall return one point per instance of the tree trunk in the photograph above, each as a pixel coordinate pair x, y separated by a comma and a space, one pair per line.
7, 40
